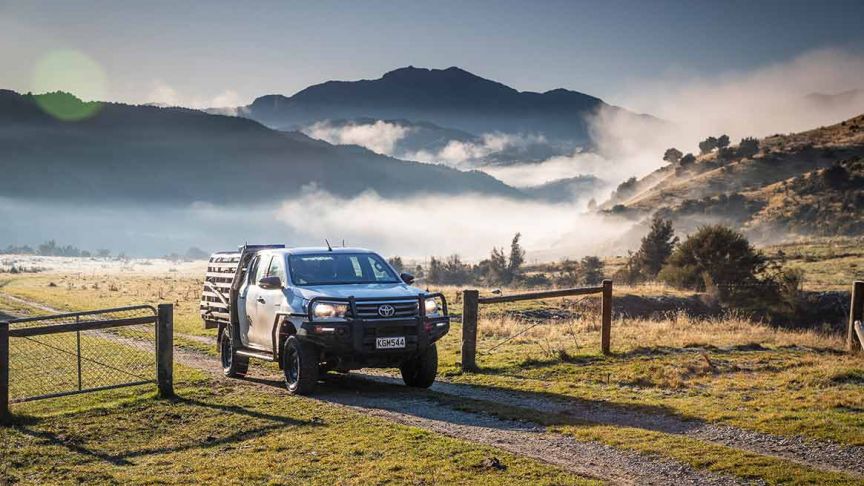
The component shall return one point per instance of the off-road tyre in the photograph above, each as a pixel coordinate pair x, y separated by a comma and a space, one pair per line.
233, 366
420, 371
300, 364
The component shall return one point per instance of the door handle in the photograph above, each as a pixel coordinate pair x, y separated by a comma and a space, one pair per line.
260, 300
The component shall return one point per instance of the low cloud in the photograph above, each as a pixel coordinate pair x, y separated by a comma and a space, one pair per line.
380, 137
441, 225
463, 154
776, 98
164, 94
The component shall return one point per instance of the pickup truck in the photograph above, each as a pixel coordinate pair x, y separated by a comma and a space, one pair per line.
315, 310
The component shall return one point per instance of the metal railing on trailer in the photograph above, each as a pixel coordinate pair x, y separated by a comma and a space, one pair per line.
66, 354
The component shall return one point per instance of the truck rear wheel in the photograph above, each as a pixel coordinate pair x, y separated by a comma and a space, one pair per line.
233, 366
300, 363
420, 371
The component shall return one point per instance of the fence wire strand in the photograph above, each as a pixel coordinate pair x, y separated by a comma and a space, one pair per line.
58, 363
568, 309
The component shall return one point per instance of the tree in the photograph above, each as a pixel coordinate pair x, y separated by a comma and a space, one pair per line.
495, 268
707, 145
672, 155
748, 147
655, 249
723, 141
715, 255
396, 262
517, 257
591, 270
687, 160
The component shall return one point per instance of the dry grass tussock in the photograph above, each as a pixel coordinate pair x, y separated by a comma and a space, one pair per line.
676, 331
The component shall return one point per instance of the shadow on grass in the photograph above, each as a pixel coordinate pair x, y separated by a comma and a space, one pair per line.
24, 425
543, 408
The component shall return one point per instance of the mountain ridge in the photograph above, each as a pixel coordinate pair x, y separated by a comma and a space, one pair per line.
451, 98
141, 153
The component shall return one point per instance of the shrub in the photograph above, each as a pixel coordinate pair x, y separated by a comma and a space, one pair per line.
672, 155
748, 147
591, 270
707, 145
714, 253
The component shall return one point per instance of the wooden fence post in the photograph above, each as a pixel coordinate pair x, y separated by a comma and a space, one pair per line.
469, 329
856, 309
165, 350
606, 317
5, 415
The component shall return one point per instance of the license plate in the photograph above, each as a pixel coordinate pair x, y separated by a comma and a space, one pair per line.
390, 342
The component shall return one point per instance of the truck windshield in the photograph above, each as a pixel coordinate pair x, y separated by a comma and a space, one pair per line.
340, 268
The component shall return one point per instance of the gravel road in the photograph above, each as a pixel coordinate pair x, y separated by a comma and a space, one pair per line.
822, 455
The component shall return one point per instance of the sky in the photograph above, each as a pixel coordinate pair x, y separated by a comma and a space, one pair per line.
220, 53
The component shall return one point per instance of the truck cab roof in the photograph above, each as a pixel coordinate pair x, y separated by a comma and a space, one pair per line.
313, 250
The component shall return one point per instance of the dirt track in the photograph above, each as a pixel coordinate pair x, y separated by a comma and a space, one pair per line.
383, 396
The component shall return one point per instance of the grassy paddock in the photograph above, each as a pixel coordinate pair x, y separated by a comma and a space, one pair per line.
726, 370
221, 433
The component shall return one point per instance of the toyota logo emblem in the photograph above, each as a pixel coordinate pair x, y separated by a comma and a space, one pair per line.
386, 310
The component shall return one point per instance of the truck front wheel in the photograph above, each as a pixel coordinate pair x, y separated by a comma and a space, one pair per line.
233, 366
300, 363
420, 370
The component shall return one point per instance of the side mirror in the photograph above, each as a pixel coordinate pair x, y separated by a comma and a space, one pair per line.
407, 278
270, 282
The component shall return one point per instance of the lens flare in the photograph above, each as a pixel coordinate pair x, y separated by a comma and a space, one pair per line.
76, 75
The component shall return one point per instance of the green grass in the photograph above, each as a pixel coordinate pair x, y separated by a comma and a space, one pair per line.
219, 432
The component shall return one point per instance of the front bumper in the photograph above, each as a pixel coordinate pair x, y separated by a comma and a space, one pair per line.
357, 337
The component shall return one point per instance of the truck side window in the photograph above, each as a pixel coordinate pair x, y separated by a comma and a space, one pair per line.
253, 270
263, 266
277, 269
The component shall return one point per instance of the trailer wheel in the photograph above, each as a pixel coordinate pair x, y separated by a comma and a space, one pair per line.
300, 364
233, 366
420, 371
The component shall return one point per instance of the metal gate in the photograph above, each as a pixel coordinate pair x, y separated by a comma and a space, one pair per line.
66, 354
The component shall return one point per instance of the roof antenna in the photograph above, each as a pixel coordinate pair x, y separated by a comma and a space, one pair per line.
329, 248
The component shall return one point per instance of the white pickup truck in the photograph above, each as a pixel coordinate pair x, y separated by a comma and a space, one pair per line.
314, 310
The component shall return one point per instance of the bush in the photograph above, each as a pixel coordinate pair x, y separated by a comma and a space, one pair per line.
748, 147
715, 255
672, 155
591, 270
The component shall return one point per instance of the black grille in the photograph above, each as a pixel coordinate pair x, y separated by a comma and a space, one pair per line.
402, 309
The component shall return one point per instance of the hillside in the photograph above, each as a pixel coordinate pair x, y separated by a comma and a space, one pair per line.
822, 202
144, 153
450, 97
760, 190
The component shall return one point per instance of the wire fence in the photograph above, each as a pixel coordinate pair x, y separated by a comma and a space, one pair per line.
72, 353
533, 327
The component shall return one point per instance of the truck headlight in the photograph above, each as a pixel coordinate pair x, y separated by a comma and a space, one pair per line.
431, 306
325, 310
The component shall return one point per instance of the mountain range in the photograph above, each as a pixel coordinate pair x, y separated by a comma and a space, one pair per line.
146, 153
452, 98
